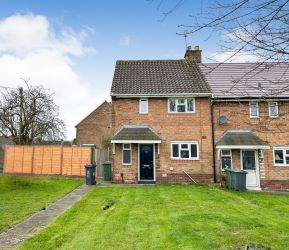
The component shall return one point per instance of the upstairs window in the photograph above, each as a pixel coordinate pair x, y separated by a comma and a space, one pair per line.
181, 105
254, 109
143, 106
273, 109
184, 150
281, 156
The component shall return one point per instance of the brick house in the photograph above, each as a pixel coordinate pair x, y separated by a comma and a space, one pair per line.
161, 122
173, 120
91, 129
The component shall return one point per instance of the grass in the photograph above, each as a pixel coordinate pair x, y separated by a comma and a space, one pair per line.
22, 196
169, 217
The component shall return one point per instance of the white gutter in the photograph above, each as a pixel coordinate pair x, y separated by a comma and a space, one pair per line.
136, 141
232, 99
162, 95
242, 147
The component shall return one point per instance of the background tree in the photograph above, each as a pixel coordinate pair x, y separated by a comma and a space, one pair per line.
255, 27
27, 115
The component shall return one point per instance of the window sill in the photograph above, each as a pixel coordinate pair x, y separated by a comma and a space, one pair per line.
180, 113
185, 159
281, 165
254, 117
126, 164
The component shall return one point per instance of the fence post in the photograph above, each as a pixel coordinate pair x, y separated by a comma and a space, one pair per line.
22, 158
61, 160
13, 157
42, 159
80, 161
5, 159
32, 165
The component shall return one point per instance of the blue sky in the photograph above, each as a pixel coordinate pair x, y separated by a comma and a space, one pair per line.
72, 46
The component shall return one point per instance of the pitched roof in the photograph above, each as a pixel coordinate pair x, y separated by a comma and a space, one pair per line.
136, 133
105, 103
158, 77
247, 80
6, 141
240, 138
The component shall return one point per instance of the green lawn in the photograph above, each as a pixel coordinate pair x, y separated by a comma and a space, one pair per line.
22, 196
168, 217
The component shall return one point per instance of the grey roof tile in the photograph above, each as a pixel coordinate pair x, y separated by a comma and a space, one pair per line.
153, 77
247, 80
136, 133
240, 138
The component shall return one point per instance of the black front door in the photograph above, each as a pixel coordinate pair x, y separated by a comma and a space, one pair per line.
146, 162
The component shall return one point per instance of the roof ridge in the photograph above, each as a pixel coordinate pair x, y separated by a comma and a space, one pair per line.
150, 60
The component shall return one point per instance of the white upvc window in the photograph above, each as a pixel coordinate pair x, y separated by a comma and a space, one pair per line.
126, 154
181, 105
273, 109
281, 156
226, 159
254, 109
143, 106
185, 150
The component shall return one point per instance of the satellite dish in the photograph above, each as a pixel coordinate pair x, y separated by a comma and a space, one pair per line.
222, 120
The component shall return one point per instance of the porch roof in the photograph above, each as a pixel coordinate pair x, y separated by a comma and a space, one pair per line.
136, 134
240, 139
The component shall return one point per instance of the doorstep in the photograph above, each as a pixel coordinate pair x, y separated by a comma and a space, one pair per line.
146, 182
254, 188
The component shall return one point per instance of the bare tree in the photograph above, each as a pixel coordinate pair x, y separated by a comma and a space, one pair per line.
258, 27
29, 114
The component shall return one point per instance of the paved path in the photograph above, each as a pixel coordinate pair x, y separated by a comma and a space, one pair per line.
14, 236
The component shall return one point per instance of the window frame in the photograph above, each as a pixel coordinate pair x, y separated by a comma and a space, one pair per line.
250, 110
147, 105
284, 164
186, 105
230, 155
277, 109
127, 149
189, 143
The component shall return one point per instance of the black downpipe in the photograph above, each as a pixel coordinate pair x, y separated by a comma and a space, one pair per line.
213, 142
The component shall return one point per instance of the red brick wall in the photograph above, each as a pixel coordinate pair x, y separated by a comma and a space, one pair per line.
91, 129
172, 127
275, 131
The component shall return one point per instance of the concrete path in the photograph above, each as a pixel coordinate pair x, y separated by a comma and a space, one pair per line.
14, 236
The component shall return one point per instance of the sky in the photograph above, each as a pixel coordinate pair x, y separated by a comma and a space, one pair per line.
70, 47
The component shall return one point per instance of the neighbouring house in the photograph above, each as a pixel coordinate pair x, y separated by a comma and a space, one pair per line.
93, 127
3, 142
250, 110
95, 131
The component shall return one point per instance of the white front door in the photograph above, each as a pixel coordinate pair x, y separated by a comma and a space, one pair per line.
249, 163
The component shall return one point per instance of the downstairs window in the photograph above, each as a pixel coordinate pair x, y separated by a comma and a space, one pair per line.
184, 151
126, 154
281, 156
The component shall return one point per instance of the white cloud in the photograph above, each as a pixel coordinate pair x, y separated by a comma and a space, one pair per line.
30, 47
232, 57
125, 40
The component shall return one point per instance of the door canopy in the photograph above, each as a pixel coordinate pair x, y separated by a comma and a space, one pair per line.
136, 134
240, 139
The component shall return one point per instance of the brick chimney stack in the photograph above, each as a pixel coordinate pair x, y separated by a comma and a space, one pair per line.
194, 54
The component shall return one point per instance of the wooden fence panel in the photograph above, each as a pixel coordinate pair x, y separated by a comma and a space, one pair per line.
27, 160
46, 160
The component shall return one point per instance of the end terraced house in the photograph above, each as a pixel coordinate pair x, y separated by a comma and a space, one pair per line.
176, 119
